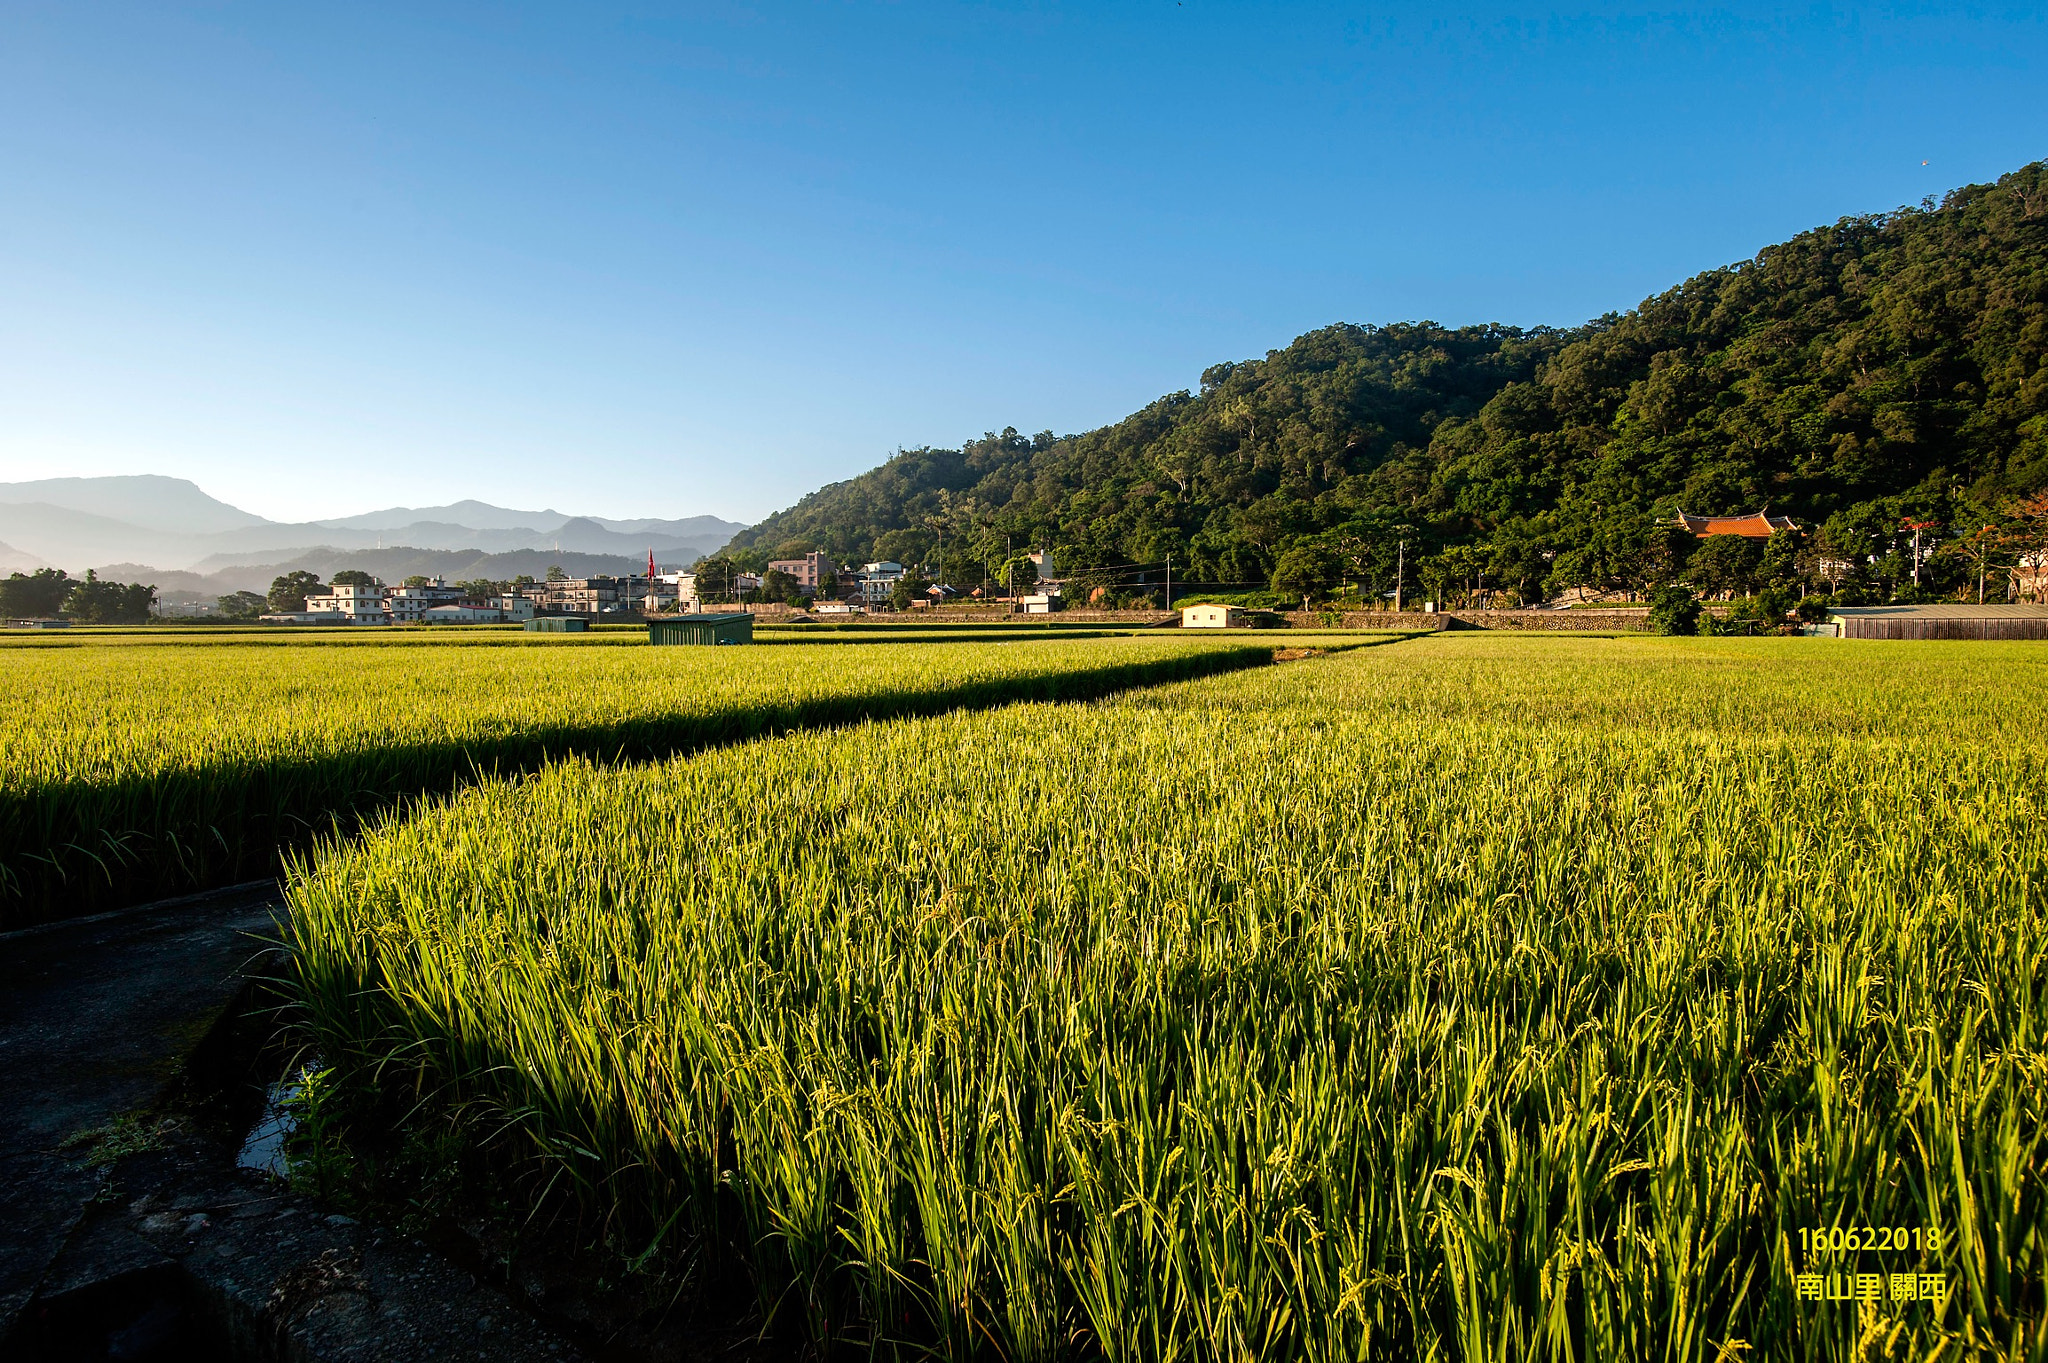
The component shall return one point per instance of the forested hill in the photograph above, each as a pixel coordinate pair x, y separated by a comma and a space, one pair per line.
1883, 368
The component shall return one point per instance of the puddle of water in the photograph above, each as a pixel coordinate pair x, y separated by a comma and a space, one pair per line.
263, 1148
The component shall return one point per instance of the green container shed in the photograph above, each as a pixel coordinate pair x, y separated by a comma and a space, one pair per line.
557, 624
735, 628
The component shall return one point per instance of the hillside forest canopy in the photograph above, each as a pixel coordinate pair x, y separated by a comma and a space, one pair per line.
1879, 380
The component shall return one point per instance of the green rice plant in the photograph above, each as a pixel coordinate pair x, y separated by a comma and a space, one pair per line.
129, 772
1448, 1000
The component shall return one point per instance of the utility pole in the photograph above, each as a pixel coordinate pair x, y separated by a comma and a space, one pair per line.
1916, 527
1400, 571
1169, 581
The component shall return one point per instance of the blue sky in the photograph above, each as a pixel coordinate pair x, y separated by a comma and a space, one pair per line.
683, 259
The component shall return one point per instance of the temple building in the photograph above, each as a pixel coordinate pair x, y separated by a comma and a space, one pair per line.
1760, 526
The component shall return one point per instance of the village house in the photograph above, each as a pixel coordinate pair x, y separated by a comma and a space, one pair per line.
878, 580
346, 603
410, 605
809, 571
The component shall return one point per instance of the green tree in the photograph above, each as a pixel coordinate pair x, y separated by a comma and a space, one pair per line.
1674, 610
1016, 575
240, 606
1305, 569
1784, 561
555, 573
37, 595
777, 585
356, 577
717, 579
1726, 563
93, 602
910, 587
289, 593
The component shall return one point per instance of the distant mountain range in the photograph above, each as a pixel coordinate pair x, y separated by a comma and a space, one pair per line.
147, 523
390, 565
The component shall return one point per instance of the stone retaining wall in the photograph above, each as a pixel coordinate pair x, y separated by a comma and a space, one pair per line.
1623, 621
1003, 617
1604, 621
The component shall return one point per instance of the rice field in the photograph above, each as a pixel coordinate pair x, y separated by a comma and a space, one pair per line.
130, 769
1465, 998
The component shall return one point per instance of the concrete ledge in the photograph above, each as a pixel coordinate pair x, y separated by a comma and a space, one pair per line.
1602, 621
130, 1232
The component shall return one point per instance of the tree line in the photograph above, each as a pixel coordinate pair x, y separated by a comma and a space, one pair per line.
1876, 380
51, 593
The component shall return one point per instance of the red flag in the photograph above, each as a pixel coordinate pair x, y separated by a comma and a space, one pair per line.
650, 564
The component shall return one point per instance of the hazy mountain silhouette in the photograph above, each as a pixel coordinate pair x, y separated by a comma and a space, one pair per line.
170, 524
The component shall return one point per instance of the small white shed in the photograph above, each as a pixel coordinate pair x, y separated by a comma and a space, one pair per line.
1211, 617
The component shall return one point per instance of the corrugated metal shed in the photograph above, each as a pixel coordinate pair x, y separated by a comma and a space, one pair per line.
734, 628
1940, 621
558, 624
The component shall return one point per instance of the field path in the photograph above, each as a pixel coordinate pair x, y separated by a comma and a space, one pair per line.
96, 1017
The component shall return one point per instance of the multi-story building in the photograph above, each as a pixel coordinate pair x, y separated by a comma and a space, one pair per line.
409, 605
670, 592
348, 603
809, 571
878, 580
596, 595
583, 596
511, 606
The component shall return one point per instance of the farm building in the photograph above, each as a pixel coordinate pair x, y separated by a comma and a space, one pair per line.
1760, 526
558, 624
734, 628
1946, 621
1211, 617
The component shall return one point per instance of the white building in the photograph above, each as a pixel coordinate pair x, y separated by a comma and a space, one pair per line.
354, 604
1210, 617
671, 591
462, 613
878, 580
409, 605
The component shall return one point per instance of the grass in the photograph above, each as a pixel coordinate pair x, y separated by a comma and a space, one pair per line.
129, 771
1469, 998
